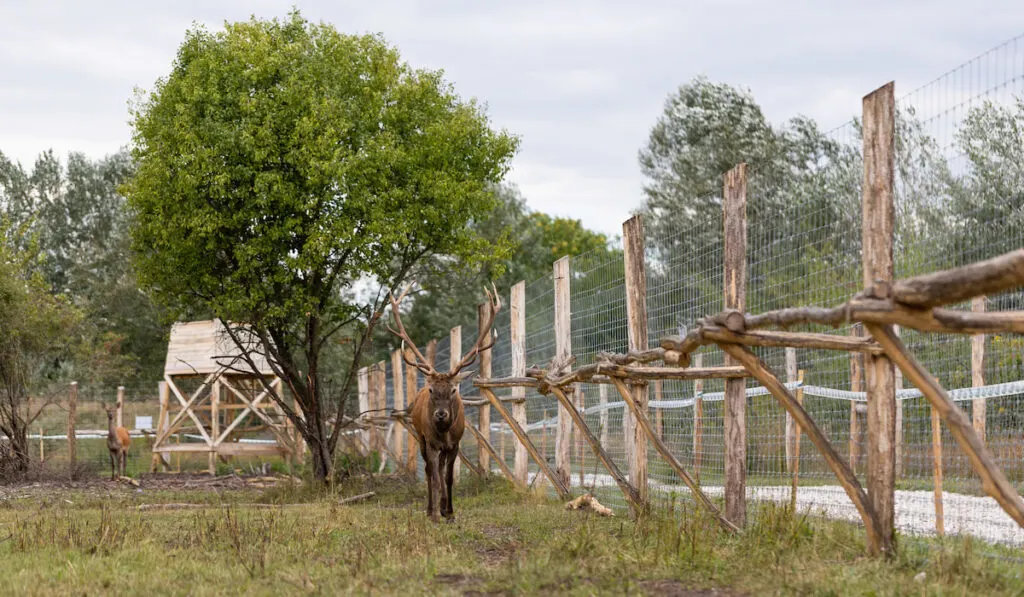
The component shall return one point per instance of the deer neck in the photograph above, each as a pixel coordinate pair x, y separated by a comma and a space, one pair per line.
112, 428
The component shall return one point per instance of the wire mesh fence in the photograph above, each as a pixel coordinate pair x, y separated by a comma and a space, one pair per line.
959, 198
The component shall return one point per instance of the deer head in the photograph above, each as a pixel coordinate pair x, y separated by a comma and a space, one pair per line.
443, 385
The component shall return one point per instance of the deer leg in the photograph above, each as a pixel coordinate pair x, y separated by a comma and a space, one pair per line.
449, 473
427, 468
435, 486
445, 494
113, 466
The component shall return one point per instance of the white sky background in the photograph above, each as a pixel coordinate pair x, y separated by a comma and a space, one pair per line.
581, 82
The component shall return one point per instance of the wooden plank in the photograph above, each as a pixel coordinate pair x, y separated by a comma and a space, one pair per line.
978, 372
630, 492
666, 453
879, 108
993, 480
785, 339
524, 440
940, 524
397, 384
186, 407
72, 414
483, 313
563, 352
636, 315
517, 336
843, 474
734, 206
252, 406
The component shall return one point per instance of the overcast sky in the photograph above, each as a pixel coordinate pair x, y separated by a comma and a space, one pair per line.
581, 82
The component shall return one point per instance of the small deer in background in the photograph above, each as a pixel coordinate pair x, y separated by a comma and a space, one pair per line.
437, 413
118, 441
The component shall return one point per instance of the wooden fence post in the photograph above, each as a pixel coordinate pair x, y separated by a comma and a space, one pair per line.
399, 432
120, 406
659, 422
214, 422
602, 416
735, 249
563, 351
412, 389
940, 524
790, 435
978, 372
483, 312
698, 417
517, 336
856, 385
363, 385
636, 314
454, 356
899, 416
72, 413
380, 404
162, 460
879, 115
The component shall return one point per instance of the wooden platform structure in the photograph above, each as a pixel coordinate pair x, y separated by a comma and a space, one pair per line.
206, 393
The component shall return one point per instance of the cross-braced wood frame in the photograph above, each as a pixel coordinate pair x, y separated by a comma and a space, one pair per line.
211, 396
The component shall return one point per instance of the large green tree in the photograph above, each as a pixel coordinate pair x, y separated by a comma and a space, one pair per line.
280, 162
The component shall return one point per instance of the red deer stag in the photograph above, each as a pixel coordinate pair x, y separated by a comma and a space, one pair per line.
118, 441
436, 410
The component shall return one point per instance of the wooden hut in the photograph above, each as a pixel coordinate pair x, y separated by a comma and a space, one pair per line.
213, 398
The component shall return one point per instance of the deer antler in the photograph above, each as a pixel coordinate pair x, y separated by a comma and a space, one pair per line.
421, 361
485, 331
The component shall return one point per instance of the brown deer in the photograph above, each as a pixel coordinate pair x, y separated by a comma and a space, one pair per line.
118, 441
436, 410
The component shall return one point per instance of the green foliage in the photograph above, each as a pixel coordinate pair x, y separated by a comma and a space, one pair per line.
79, 222
452, 289
281, 162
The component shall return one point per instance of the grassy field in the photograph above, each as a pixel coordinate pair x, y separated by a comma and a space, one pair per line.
94, 539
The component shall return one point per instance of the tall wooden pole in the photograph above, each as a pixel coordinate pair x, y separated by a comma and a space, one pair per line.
735, 208
879, 132
484, 423
411, 384
363, 384
563, 351
978, 372
454, 356
517, 336
398, 384
636, 315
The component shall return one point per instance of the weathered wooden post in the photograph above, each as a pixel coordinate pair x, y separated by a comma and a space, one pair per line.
563, 352
856, 385
483, 312
940, 524
399, 433
72, 411
790, 433
698, 417
735, 249
659, 422
636, 314
214, 421
602, 400
454, 356
380, 395
120, 406
411, 384
978, 372
363, 385
879, 133
899, 416
517, 336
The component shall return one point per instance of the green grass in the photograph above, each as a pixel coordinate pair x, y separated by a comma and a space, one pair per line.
502, 542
